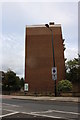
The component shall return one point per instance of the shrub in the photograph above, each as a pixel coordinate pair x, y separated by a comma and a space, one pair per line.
64, 86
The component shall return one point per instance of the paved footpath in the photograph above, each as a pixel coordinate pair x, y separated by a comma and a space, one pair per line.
63, 99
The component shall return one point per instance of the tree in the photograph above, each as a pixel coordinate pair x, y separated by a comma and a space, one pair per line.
11, 82
73, 70
22, 83
64, 86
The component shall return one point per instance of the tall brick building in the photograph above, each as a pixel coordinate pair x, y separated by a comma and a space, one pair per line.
39, 57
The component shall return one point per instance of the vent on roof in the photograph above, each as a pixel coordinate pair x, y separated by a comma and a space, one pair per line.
51, 23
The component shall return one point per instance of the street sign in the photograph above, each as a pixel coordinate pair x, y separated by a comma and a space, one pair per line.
54, 73
25, 87
54, 77
54, 70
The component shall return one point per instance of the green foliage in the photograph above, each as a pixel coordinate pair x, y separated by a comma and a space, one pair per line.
73, 70
64, 86
22, 83
11, 82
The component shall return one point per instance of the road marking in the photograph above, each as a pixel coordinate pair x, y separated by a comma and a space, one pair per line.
65, 112
8, 114
11, 105
28, 114
41, 115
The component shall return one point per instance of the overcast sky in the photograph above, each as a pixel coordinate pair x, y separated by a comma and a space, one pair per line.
15, 17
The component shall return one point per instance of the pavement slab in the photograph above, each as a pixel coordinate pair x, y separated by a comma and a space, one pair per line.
45, 98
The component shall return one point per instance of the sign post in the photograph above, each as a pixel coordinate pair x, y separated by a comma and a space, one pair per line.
25, 87
54, 70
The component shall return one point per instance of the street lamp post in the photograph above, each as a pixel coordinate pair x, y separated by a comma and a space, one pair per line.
53, 54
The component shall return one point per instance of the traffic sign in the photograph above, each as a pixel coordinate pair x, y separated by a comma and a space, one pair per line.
25, 87
54, 77
54, 70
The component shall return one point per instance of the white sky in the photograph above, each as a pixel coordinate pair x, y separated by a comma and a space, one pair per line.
15, 17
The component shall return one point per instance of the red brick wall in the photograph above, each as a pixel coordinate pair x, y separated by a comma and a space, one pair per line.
39, 60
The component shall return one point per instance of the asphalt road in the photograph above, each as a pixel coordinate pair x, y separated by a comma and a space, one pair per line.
39, 110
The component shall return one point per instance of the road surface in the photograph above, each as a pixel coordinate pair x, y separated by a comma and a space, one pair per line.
15, 108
